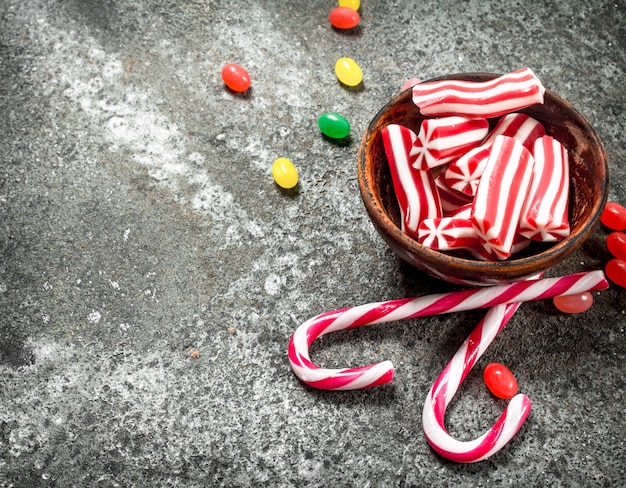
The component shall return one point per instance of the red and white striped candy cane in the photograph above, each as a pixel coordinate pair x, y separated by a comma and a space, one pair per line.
447, 384
504, 94
409, 308
415, 190
501, 195
544, 217
442, 140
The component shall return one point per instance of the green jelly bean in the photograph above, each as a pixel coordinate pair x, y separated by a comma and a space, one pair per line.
333, 125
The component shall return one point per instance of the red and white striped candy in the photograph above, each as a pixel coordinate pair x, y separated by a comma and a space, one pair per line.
544, 217
519, 126
504, 94
463, 212
501, 194
447, 233
444, 139
478, 251
464, 173
409, 308
447, 384
415, 190
451, 200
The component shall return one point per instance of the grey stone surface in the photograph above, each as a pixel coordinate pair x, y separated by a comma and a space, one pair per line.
140, 223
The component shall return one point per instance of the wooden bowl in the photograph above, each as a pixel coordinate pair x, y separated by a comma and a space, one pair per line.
588, 192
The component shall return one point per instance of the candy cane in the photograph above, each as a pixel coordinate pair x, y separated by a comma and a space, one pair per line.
447, 384
408, 308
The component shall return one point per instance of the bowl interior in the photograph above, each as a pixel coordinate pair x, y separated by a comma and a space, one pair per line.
588, 191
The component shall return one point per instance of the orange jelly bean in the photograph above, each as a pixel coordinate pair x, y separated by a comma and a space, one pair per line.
344, 18
581, 302
500, 380
236, 77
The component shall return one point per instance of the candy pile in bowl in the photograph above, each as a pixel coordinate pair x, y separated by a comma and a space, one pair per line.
482, 179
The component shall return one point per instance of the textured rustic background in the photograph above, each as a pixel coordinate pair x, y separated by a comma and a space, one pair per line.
151, 271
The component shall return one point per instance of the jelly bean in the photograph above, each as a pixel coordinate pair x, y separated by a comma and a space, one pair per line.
353, 4
614, 216
236, 77
410, 83
348, 72
285, 173
500, 380
574, 303
616, 242
333, 125
616, 271
344, 18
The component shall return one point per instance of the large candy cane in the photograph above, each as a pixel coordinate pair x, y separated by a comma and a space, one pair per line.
447, 384
408, 308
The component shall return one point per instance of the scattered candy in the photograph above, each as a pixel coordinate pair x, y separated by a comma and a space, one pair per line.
500, 196
616, 271
285, 173
333, 125
444, 139
348, 72
574, 303
410, 83
344, 18
416, 190
410, 308
504, 94
544, 216
353, 4
500, 380
614, 216
447, 384
236, 77
616, 242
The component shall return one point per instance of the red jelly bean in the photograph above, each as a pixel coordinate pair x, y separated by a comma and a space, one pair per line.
500, 380
614, 216
616, 271
344, 18
578, 303
616, 242
236, 77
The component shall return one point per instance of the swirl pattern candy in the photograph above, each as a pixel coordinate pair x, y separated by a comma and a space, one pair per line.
504, 94
442, 140
409, 308
451, 200
416, 192
447, 233
544, 216
464, 173
501, 194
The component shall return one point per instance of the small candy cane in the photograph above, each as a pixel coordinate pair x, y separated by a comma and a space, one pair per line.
447, 384
408, 308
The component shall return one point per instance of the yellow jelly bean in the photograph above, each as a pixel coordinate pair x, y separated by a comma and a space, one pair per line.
348, 72
285, 173
353, 4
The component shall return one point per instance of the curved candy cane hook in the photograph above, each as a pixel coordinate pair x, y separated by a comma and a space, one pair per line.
408, 308
448, 382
